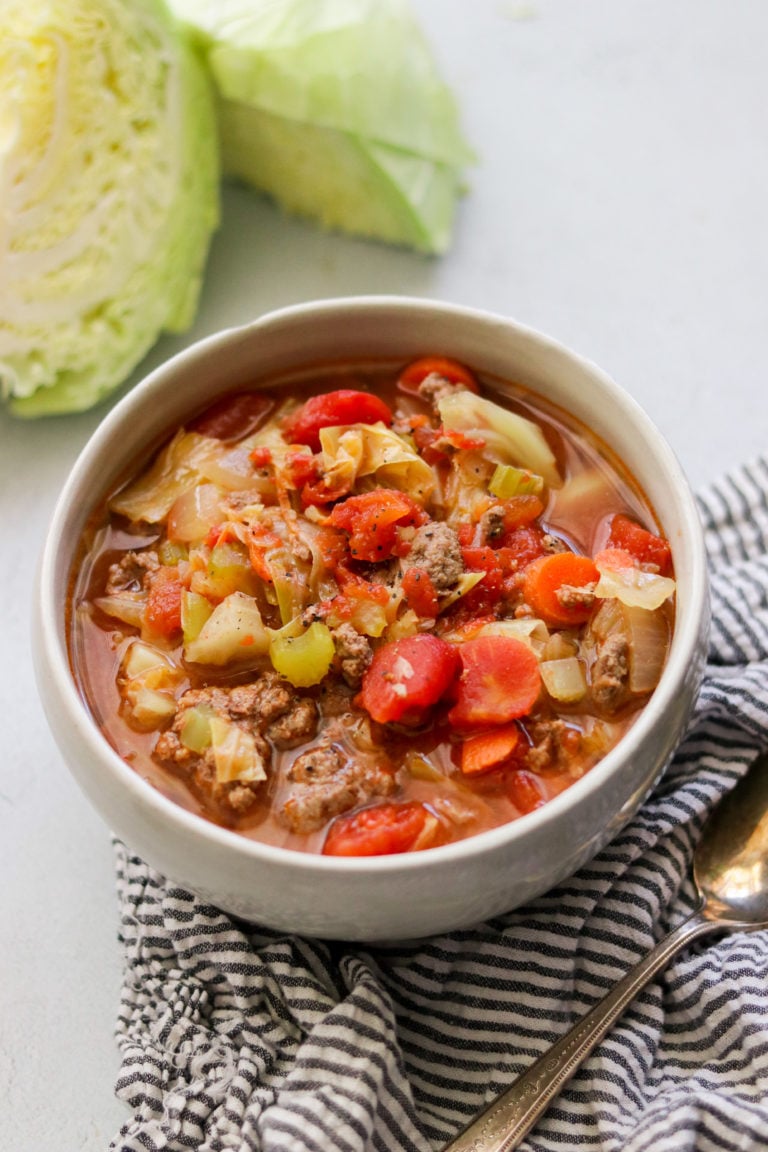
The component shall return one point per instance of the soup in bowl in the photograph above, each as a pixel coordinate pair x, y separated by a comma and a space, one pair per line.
372, 619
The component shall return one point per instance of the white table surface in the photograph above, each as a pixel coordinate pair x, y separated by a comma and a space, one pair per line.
619, 204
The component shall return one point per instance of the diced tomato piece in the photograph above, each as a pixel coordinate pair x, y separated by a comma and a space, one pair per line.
301, 468
372, 520
261, 457
484, 597
521, 547
547, 584
416, 373
260, 542
320, 493
345, 406
233, 417
162, 614
483, 559
645, 546
500, 681
378, 831
420, 592
438, 445
525, 790
407, 677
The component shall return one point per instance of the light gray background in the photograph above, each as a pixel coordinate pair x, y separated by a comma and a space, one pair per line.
619, 205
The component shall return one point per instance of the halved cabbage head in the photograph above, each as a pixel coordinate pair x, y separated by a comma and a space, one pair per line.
108, 194
337, 111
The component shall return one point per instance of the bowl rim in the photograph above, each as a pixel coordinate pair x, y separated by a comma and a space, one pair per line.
52, 634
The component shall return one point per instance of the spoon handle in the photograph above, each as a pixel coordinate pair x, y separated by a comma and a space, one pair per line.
508, 1119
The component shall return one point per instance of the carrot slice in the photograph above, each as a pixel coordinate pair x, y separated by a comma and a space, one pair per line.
547, 581
489, 749
500, 681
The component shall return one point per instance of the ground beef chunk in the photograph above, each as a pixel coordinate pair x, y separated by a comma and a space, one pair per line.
283, 716
553, 544
325, 781
335, 699
492, 523
268, 709
610, 672
435, 388
353, 652
576, 596
435, 547
129, 573
296, 726
552, 743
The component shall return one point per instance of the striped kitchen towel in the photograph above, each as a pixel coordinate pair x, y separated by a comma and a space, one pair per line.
235, 1037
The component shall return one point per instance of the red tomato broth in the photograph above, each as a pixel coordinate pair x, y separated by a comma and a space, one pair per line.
99, 644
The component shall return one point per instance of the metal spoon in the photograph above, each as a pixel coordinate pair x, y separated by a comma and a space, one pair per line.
730, 870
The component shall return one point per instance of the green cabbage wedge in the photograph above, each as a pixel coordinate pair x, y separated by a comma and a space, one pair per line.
337, 111
108, 194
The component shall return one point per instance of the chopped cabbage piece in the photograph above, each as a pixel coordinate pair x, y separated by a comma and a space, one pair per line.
235, 753
352, 452
233, 633
174, 470
509, 438
108, 198
336, 110
565, 680
148, 678
629, 583
531, 631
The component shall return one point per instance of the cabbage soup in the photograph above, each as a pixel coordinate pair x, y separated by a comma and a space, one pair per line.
371, 609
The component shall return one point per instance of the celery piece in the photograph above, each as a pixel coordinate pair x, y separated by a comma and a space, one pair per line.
508, 481
195, 732
172, 552
304, 660
195, 611
229, 570
235, 753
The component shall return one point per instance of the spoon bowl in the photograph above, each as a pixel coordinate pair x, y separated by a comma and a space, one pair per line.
730, 868
730, 871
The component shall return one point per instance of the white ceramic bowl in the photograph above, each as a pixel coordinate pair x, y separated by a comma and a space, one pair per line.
390, 897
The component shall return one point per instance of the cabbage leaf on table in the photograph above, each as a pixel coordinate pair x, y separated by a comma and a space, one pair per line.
108, 194
336, 110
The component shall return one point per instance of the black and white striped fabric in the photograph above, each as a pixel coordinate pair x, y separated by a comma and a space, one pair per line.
234, 1037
